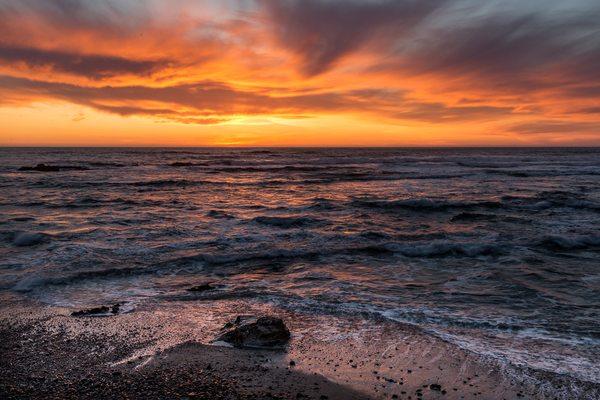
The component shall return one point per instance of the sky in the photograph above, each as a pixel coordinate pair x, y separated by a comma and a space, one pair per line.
299, 73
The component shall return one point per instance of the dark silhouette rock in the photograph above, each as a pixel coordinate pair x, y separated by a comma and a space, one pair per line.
54, 168
41, 168
97, 311
188, 164
201, 288
250, 331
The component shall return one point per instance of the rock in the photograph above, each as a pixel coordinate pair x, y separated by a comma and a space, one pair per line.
187, 164
436, 387
23, 239
54, 168
250, 331
41, 168
97, 311
201, 288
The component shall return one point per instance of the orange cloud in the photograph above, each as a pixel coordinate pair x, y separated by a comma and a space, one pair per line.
449, 71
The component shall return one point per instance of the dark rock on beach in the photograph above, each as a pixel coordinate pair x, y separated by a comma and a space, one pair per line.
201, 288
97, 311
54, 168
436, 387
255, 332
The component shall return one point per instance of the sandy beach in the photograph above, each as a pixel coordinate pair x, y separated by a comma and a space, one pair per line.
161, 354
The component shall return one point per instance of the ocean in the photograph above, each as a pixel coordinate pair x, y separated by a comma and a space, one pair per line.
494, 250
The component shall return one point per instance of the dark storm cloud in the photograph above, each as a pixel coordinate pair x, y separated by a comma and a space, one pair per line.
113, 14
320, 31
590, 91
496, 44
91, 66
511, 49
519, 47
215, 99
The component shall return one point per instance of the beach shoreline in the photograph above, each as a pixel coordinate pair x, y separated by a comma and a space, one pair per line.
47, 353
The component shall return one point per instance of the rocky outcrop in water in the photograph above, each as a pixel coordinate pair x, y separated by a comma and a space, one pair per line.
251, 331
201, 288
54, 168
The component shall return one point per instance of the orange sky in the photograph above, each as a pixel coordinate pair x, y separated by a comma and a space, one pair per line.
299, 73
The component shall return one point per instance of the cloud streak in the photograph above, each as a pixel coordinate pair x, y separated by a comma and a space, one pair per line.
218, 100
321, 32
93, 66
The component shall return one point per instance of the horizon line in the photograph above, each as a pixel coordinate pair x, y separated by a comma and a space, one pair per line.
305, 147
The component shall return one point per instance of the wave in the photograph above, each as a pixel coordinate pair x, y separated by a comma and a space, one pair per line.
110, 164
540, 173
558, 243
443, 248
288, 222
25, 239
470, 164
514, 174
538, 201
424, 204
33, 282
438, 248
549, 199
91, 202
53, 168
260, 169
166, 183
470, 216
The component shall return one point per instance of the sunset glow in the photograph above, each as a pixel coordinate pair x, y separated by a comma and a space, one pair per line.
299, 73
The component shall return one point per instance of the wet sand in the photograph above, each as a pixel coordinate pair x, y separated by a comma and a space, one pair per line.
153, 354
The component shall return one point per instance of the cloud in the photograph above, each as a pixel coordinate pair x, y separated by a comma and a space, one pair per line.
118, 14
556, 126
320, 32
216, 101
507, 51
208, 62
91, 66
439, 112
